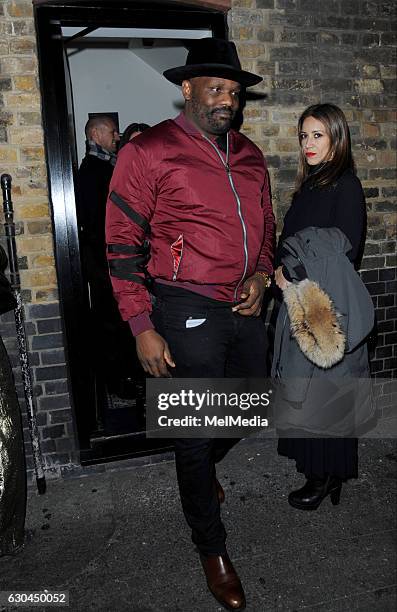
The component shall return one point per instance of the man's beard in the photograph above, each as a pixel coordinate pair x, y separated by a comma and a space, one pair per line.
209, 120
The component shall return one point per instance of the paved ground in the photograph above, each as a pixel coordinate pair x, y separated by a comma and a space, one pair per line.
117, 540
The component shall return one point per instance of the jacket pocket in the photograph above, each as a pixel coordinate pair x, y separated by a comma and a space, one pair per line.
177, 254
187, 320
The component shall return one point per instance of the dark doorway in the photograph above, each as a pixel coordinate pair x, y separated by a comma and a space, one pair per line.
110, 423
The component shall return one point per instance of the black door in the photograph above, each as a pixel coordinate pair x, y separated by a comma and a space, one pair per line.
110, 423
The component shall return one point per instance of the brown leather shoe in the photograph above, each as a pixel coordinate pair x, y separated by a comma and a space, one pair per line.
223, 581
219, 491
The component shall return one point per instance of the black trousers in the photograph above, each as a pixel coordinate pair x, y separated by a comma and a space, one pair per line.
227, 345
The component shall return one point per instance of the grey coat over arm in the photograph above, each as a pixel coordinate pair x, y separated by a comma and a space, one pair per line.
320, 353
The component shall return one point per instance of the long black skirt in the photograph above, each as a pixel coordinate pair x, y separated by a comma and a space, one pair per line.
322, 456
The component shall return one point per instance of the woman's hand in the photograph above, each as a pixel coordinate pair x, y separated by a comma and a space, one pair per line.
280, 280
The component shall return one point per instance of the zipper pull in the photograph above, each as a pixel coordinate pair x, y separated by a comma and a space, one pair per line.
228, 169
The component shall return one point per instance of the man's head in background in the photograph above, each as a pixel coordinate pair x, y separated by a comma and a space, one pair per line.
103, 131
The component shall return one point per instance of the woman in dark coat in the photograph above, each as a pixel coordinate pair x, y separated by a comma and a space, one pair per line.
328, 195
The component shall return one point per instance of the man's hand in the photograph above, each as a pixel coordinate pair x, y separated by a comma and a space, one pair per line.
280, 280
252, 296
154, 354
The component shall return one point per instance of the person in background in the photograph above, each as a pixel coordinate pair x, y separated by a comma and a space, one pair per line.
94, 176
328, 195
202, 189
132, 131
95, 172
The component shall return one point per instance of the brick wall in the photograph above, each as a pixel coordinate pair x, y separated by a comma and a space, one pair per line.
22, 156
342, 52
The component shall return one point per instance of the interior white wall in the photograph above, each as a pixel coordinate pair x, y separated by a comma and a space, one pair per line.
117, 80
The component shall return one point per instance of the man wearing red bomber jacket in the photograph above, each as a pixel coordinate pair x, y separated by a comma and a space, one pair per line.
201, 189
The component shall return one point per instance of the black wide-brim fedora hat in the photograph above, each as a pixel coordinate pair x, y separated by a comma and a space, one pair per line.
212, 57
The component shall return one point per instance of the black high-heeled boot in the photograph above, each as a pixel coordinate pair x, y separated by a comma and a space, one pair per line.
310, 496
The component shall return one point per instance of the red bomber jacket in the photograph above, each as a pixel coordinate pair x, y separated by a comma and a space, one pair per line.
206, 212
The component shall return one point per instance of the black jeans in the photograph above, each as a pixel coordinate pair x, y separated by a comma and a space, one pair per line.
227, 345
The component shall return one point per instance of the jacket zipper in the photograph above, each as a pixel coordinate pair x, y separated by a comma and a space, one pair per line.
237, 198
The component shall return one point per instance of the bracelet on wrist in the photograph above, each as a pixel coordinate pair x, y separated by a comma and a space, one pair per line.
267, 281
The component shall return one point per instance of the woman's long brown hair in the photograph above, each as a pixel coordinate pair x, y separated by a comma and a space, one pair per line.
341, 157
